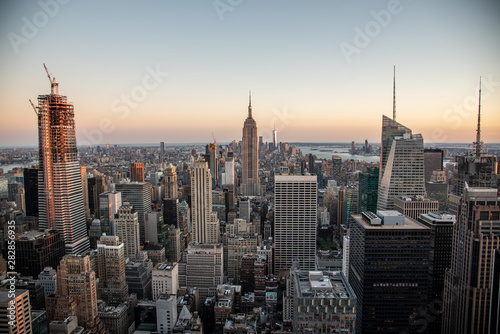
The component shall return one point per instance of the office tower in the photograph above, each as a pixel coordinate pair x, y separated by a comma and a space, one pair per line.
156, 231
433, 161
401, 164
60, 197
112, 286
245, 205
165, 279
85, 190
138, 276
250, 182
39, 323
118, 319
137, 172
368, 190
95, 232
76, 279
228, 176
323, 302
494, 325
19, 306
138, 194
31, 191
347, 204
109, 202
275, 140
389, 257
476, 236
171, 196
36, 250
413, 207
253, 276
441, 226
205, 223
353, 147
126, 227
337, 168
12, 189
174, 244
162, 148
96, 186
237, 246
203, 268
295, 203
166, 313
346, 247
48, 279
438, 191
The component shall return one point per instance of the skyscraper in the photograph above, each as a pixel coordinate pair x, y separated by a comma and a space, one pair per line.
127, 229
60, 196
295, 203
368, 190
250, 183
433, 161
401, 164
337, 168
112, 287
137, 172
138, 194
31, 191
18, 305
85, 190
170, 199
467, 286
275, 140
205, 223
76, 279
388, 271
109, 203
477, 169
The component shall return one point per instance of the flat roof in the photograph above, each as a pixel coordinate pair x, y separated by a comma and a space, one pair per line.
409, 224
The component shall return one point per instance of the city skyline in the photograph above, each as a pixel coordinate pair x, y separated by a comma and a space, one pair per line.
313, 76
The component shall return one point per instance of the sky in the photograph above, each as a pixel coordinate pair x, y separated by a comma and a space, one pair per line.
319, 71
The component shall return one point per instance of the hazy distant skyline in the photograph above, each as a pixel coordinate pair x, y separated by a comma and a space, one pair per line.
313, 75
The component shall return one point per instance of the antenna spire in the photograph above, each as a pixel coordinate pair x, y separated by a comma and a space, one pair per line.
249, 104
394, 95
478, 143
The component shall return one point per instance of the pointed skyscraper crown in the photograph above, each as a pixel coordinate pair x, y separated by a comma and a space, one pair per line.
478, 144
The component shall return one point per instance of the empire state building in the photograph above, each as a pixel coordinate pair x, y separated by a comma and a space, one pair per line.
61, 205
250, 183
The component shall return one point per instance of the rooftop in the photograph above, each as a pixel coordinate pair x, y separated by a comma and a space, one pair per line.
408, 223
322, 284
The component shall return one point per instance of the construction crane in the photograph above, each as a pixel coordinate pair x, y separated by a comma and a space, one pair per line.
34, 108
54, 86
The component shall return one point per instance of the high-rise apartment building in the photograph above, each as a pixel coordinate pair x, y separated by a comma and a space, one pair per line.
388, 271
60, 196
126, 227
401, 164
295, 205
205, 223
137, 172
19, 306
476, 235
112, 287
250, 182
